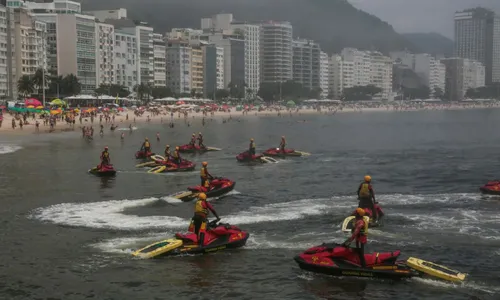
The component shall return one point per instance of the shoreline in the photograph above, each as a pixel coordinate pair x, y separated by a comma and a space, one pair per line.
120, 119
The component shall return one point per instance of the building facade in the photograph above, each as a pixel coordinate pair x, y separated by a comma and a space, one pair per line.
306, 63
105, 54
356, 68
276, 52
335, 85
381, 73
8, 85
324, 74
461, 75
126, 59
160, 61
197, 73
251, 37
103, 15
179, 66
477, 37
213, 70
145, 49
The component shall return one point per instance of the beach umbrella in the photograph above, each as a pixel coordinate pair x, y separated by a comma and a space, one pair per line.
32, 101
30, 106
58, 102
180, 102
55, 111
290, 103
39, 107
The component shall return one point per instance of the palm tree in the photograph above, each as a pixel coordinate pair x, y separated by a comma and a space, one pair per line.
142, 90
71, 85
25, 86
38, 80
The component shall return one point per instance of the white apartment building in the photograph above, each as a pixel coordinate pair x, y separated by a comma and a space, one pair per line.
306, 63
213, 68
234, 57
381, 73
103, 15
428, 68
126, 59
55, 6
276, 51
8, 85
145, 48
461, 75
192, 36
251, 37
356, 68
324, 74
336, 78
160, 60
179, 66
219, 22
105, 54
30, 44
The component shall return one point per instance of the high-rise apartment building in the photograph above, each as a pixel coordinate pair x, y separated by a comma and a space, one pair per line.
356, 68
192, 36
105, 54
8, 85
213, 70
276, 51
324, 74
197, 69
336, 79
306, 63
477, 37
234, 57
160, 60
126, 59
113, 14
251, 36
461, 75
179, 66
381, 73
30, 47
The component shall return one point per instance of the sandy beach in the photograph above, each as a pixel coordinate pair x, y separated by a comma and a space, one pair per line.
120, 119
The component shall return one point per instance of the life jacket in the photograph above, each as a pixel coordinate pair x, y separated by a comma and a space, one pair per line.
363, 233
200, 208
206, 184
167, 153
146, 145
176, 154
252, 145
364, 191
203, 172
105, 154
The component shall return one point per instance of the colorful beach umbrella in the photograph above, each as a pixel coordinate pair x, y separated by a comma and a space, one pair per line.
58, 102
32, 102
39, 107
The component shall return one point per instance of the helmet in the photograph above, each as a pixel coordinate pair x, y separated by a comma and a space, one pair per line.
167, 146
106, 148
360, 212
283, 137
194, 134
146, 139
251, 140
202, 196
177, 148
199, 133
204, 164
368, 178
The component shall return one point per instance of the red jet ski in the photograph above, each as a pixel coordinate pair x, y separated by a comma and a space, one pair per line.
143, 154
245, 157
103, 171
217, 237
196, 149
491, 188
218, 187
337, 260
286, 152
169, 166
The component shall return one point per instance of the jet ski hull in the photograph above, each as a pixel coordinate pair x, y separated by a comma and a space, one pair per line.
193, 192
288, 152
491, 188
227, 237
196, 149
142, 154
103, 173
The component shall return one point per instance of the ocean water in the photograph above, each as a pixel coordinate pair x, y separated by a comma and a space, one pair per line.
69, 235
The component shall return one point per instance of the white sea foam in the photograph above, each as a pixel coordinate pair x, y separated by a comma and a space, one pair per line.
466, 285
126, 128
5, 149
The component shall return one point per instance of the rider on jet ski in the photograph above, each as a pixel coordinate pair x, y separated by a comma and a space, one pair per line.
177, 156
199, 221
146, 146
282, 144
251, 148
359, 233
193, 140
366, 197
200, 141
105, 159
167, 152
205, 176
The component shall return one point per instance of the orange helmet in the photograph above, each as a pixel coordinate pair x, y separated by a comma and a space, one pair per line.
202, 196
368, 178
204, 164
106, 148
177, 148
360, 212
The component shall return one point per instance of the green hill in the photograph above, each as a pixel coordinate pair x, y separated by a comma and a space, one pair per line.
335, 24
432, 43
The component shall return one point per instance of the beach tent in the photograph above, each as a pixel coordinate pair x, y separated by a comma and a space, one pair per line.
290, 103
32, 102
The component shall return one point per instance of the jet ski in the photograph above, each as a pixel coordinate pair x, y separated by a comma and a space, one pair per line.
287, 152
337, 260
348, 223
169, 166
196, 149
103, 171
491, 188
218, 187
141, 154
218, 237
245, 157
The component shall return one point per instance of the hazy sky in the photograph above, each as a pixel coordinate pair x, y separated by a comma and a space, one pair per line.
421, 15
